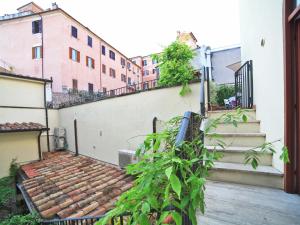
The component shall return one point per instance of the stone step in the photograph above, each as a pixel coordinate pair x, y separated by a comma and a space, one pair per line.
248, 127
236, 139
251, 113
237, 155
244, 174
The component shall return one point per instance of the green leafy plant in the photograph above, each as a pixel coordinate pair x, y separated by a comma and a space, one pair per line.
224, 92
175, 66
213, 92
28, 219
172, 175
7, 192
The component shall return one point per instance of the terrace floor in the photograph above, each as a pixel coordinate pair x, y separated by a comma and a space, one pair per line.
234, 204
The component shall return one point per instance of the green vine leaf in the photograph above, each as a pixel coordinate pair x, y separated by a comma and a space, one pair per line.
168, 171
285, 155
176, 185
177, 217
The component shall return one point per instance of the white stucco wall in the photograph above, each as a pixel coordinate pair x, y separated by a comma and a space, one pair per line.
26, 93
262, 19
107, 126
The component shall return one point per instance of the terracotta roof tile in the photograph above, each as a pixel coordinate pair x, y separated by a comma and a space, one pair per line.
64, 185
10, 127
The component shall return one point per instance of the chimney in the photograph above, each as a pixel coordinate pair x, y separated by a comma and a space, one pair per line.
54, 5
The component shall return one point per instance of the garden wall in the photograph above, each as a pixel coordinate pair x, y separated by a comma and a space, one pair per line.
106, 126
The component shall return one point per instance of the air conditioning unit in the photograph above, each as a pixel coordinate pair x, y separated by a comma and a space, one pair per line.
60, 136
127, 157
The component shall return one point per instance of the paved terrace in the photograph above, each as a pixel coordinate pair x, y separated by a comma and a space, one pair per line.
234, 204
66, 186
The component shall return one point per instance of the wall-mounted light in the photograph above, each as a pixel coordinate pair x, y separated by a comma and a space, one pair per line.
262, 42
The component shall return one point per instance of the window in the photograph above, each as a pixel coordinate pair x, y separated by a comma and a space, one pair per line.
75, 84
146, 72
74, 32
123, 78
103, 49
91, 87
103, 68
112, 55
104, 89
90, 62
157, 71
153, 71
37, 52
112, 73
144, 62
122, 61
145, 86
74, 55
64, 89
37, 26
128, 65
154, 61
90, 41
129, 80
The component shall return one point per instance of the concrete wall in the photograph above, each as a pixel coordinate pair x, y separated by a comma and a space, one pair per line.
107, 126
262, 20
220, 59
22, 146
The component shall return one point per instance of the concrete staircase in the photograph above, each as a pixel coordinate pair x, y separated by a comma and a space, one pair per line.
238, 140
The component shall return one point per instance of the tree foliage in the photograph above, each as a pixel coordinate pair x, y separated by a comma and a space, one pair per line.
224, 92
175, 66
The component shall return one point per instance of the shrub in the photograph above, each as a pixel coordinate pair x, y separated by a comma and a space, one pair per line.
213, 92
175, 66
224, 92
28, 219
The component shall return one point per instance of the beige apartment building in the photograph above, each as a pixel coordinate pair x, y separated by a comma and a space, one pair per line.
54, 45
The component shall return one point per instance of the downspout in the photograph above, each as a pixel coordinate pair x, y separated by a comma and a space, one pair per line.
39, 145
46, 114
42, 39
100, 67
202, 97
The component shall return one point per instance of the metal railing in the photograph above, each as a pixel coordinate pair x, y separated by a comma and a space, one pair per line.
244, 85
75, 97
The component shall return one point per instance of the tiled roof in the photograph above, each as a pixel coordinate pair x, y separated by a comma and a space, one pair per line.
10, 127
68, 186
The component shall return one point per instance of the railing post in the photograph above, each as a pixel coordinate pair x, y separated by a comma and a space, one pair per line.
76, 138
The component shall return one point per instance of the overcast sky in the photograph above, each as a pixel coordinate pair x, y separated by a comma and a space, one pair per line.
142, 27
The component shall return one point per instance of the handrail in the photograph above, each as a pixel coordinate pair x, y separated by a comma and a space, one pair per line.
243, 78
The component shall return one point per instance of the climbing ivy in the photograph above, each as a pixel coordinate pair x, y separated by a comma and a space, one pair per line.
164, 178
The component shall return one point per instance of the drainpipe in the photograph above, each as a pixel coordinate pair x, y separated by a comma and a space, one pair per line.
39, 145
46, 114
100, 67
42, 39
202, 97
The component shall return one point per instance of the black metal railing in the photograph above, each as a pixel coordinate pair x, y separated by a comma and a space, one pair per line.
75, 97
244, 85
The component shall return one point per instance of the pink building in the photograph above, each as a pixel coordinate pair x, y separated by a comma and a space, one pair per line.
52, 44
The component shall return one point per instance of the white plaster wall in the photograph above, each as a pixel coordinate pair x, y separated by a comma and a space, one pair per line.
262, 19
107, 126
19, 92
